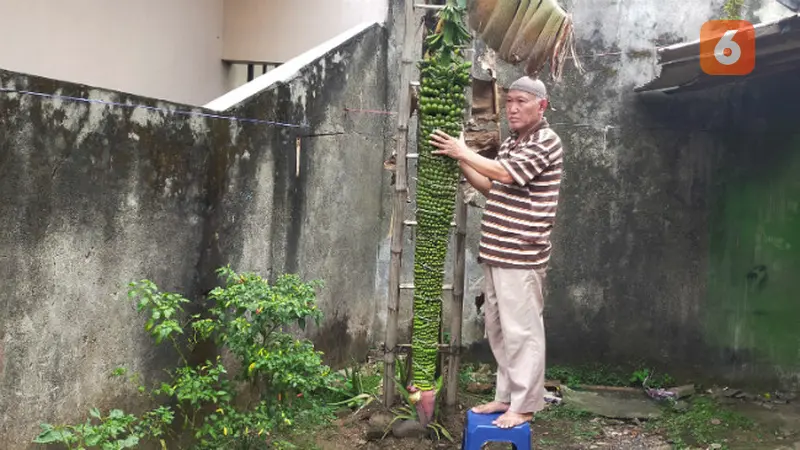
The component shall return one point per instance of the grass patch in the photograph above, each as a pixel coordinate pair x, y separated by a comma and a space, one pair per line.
564, 412
703, 423
602, 375
588, 374
566, 423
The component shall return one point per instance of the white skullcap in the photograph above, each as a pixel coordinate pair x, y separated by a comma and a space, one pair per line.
529, 85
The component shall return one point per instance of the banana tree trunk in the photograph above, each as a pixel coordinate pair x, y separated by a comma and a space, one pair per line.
442, 102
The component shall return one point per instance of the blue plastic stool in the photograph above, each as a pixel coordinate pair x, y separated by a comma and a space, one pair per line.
479, 430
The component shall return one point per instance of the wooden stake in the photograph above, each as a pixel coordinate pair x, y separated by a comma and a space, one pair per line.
459, 275
398, 210
456, 311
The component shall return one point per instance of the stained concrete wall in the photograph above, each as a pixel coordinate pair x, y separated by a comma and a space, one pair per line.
670, 207
97, 196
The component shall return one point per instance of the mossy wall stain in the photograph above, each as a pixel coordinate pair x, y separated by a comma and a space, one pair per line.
754, 252
668, 202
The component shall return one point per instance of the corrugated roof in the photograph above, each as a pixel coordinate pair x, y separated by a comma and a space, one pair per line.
777, 50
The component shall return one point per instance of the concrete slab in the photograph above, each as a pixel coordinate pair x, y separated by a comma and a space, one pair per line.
614, 405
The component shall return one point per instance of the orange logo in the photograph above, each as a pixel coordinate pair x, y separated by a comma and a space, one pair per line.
727, 47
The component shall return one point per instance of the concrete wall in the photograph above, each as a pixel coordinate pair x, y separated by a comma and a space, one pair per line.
669, 208
98, 196
164, 49
276, 30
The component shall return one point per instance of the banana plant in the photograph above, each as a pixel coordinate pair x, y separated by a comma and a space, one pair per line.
531, 31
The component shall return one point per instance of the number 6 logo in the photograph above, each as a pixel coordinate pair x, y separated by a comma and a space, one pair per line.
727, 47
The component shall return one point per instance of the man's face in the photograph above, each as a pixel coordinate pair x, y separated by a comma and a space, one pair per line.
524, 110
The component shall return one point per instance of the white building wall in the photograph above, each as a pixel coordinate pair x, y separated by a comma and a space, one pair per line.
174, 50
277, 30
168, 49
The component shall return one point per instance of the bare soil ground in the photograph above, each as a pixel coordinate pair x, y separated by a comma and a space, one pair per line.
708, 421
704, 418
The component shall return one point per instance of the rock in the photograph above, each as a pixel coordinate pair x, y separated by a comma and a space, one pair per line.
681, 406
715, 422
613, 405
375, 434
378, 425
734, 393
715, 446
380, 419
683, 391
479, 388
552, 384
408, 429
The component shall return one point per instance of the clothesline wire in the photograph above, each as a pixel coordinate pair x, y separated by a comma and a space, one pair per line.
151, 108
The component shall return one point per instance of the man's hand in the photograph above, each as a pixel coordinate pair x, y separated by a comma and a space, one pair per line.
478, 169
448, 145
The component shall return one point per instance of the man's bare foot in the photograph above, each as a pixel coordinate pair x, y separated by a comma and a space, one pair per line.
511, 419
491, 407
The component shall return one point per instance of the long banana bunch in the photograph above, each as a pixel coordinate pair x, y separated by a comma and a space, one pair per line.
533, 31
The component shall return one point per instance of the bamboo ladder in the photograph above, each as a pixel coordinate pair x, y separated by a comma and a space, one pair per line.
451, 351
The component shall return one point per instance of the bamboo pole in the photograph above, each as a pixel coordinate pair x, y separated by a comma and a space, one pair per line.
400, 194
459, 275
456, 313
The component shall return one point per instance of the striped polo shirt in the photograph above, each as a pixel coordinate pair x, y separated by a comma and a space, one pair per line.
518, 218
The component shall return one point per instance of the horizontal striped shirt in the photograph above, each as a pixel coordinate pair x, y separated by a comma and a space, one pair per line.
518, 218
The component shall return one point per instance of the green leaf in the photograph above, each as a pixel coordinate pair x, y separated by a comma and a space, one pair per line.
129, 442
50, 435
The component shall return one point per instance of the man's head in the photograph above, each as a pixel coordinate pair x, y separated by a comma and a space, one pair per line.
526, 103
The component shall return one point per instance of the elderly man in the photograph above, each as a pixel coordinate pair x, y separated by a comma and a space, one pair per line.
521, 187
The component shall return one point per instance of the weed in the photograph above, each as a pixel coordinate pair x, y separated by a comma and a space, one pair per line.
564, 412
645, 377
701, 424
597, 374
589, 374
732, 10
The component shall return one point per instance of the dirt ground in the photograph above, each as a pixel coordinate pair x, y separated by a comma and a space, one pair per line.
582, 418
549, 432
776, 426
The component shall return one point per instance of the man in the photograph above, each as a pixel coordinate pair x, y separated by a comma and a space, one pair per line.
521, 187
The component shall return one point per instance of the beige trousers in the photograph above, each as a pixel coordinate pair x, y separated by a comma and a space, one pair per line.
515, 329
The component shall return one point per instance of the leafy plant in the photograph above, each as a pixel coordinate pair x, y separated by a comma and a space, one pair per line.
357, 389
408, 412
278, 373
116, 431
